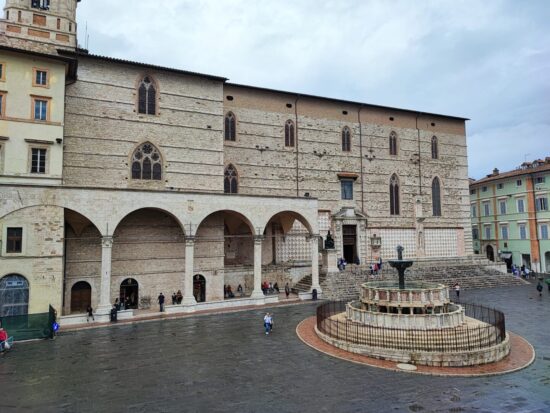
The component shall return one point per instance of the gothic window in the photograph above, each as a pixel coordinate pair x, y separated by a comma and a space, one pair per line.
230, 181
40, 4
393, 143
230, 123
436, 197
394, 195
147, 96
435, 152
346, 139
147, 163
289, 133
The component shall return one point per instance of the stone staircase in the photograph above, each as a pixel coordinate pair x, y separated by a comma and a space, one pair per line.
470, 273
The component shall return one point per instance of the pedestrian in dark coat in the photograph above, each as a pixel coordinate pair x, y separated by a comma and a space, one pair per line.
161, 302
287, 290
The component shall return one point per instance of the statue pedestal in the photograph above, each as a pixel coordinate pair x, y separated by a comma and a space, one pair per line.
330, 260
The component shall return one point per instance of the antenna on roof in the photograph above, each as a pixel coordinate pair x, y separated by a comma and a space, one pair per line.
87, 37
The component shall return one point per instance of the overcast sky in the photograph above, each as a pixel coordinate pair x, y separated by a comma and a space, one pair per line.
485, 60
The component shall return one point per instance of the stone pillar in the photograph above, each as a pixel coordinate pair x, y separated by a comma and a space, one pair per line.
314, 241
105, 289
188, 297
257, 292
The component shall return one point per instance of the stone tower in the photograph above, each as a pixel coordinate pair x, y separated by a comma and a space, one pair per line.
39, 25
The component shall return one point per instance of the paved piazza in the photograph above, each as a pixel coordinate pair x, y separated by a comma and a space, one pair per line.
215, 363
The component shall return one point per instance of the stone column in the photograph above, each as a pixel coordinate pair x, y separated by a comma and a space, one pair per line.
188, 297
105, 289
314, 241
257, 292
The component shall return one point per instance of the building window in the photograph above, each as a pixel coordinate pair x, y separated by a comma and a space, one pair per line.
230, 129
504, 231
14, 242
436, 197
40, 78
2, 72
483, 189
38, 160
394, 195
487, 232
289, 133
502, 207
346, 139
544, 231
147, 96
486, 209
518, 182
2, 104
475, 233
41, 109
472, 191
435, 150
500, 186
347, 188
540, 179
40, 4
473, 210
58, 24
522, 231
147, 163
393, 143
542, 204
520, 205
230, 181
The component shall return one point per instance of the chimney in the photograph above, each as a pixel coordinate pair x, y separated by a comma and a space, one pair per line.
495, 171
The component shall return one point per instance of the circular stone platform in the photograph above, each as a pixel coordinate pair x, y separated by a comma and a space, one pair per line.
522, 354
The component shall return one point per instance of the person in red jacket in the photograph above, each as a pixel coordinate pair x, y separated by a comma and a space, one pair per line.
3, 339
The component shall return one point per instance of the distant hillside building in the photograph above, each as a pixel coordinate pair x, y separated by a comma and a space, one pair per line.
510, 216
121, 179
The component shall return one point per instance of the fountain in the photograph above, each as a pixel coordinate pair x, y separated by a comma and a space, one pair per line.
414, 323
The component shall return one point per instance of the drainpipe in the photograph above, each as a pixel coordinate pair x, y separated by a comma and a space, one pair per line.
361, 157
297, 147
419, 166
536, 221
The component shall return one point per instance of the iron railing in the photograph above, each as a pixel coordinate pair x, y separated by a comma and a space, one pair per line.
470, 336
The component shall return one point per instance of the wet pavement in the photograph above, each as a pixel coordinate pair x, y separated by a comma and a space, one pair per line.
215, 363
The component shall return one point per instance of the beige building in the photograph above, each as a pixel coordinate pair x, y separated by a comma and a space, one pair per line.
167, 180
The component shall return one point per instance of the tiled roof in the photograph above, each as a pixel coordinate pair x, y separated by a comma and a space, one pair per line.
514, 173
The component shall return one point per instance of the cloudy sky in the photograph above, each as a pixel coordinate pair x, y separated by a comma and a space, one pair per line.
485, 60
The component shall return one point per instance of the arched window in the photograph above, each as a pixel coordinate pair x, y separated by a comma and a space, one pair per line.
147, 96
436, 197
14, 295
394, 195
230, 181
230, 123
435, 152
393, 143
289, 133
346, 139
146, 162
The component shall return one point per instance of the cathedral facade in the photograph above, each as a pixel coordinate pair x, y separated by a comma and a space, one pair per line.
121, 179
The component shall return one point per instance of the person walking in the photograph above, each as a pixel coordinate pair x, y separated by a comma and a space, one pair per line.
539, 288
267, 323
4, 345
457, 290
161, 302
89, 313
287, 290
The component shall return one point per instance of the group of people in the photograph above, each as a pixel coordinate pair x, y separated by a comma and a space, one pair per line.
177, 298
228, 291
270, 288
522, 271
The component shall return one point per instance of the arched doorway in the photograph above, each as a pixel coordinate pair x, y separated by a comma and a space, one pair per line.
14, 295
199, 288
129, 293
81, 297
490, 253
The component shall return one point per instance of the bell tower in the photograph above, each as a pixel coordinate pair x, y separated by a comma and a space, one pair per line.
40, 25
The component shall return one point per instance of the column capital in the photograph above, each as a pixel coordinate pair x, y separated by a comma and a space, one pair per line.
107, 241
190, 240
258, 238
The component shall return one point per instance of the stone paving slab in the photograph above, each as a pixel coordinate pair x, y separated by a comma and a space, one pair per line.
522, 354
225, 363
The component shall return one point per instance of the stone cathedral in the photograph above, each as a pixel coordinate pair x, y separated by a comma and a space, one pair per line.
121, 179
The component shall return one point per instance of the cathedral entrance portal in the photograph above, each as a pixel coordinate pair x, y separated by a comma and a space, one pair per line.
199, 288
129, 293
349, 236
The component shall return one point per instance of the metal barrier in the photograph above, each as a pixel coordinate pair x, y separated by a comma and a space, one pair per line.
463, 338
30, 326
